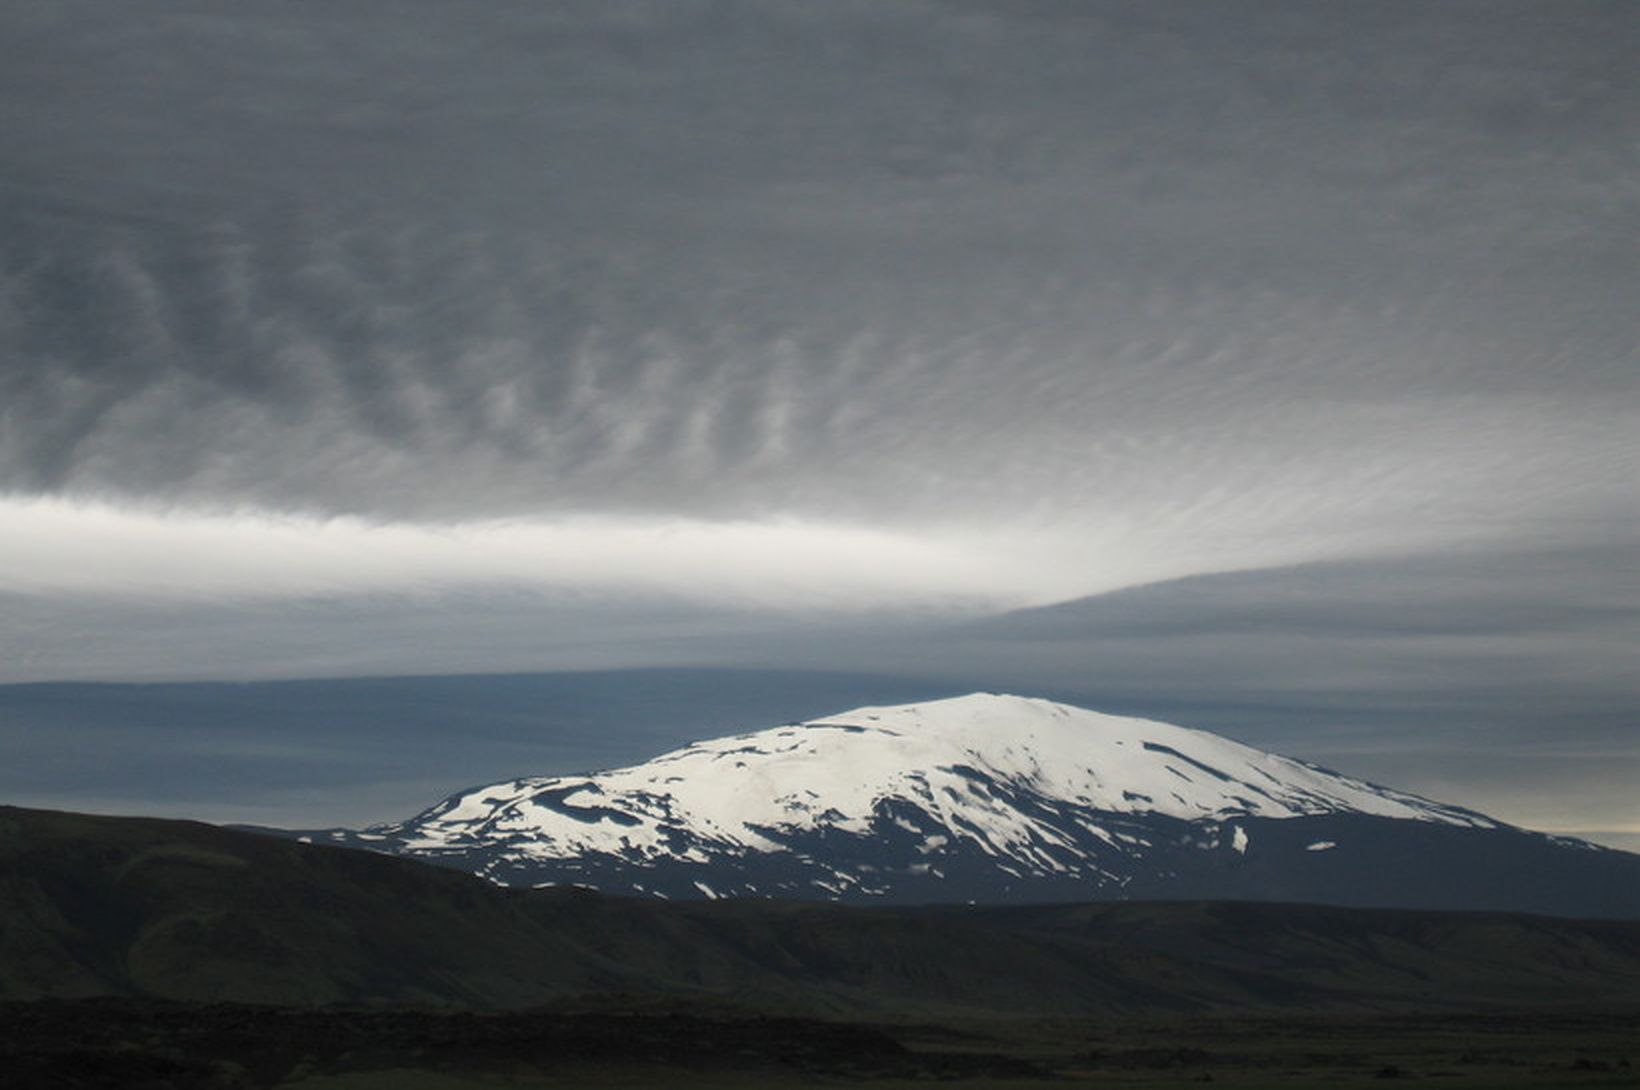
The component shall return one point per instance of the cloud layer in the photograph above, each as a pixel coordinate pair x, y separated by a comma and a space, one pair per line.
393, 337
96, 551
889, 263
1500, 681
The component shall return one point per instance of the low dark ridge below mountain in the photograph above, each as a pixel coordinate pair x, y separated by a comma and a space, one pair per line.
142, 907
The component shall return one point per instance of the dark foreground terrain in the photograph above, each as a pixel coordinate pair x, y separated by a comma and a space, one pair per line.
190, 1046
93, 906
160, 954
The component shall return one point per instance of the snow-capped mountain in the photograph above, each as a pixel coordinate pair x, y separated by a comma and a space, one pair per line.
980, 797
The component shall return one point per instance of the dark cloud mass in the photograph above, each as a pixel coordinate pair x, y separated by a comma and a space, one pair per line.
843, 260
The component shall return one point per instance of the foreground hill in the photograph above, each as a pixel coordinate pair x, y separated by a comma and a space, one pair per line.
1000, 799
140, 907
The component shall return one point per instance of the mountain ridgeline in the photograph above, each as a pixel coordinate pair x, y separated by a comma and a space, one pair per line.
999, 799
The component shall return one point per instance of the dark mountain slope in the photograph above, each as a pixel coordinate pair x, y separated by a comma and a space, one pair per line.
93, 905
137, 906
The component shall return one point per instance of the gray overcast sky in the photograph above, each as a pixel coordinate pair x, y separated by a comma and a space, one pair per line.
417, 337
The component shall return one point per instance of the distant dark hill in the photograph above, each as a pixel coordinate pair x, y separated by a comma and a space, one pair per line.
138, 906
142, 907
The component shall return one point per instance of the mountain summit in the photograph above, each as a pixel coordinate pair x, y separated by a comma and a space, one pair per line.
993, 798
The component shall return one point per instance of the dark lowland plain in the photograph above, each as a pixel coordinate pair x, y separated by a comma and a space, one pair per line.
163, 953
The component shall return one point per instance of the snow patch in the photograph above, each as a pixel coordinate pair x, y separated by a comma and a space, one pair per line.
1019, 779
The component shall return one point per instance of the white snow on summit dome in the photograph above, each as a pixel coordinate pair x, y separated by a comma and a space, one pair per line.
966, 762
